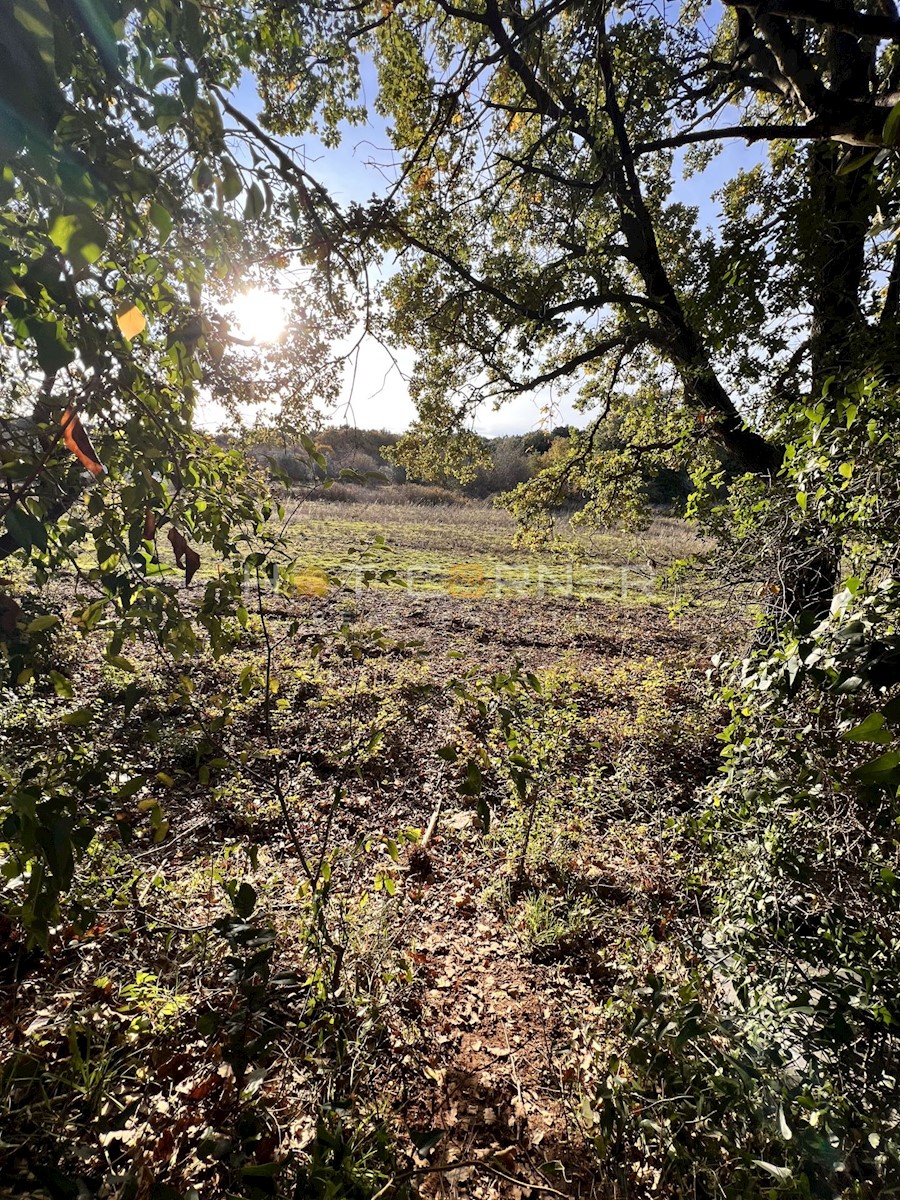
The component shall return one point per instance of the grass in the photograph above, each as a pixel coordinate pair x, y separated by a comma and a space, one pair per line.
466, 550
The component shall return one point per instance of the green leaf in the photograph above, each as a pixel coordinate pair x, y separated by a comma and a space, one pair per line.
121, 663
231, 181
78, 718
256, 203
870, 730
244, 901
78, 235
187, 90
168, 110
891, 132
39, 624
851, 164
474, 781
882, 770
262, 1170
61, 685
25, 529
53, 351
426, 1139
162, 219
131, 788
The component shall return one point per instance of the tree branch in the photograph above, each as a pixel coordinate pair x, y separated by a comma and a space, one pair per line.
750, 133
820, 12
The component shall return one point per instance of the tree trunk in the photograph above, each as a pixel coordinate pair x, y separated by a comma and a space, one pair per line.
808, 577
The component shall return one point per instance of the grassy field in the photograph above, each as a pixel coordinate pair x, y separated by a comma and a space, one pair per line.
468, 548
361, 934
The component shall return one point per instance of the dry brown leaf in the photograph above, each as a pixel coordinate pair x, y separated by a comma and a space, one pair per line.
191, 563
184, 555
77, 440
179, 545
9, 614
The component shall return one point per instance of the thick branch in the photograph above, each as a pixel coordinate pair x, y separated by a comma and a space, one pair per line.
625, 341
820, 12
749, 133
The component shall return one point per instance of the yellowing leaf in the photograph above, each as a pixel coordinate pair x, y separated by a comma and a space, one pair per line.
131, 321
39, 624
81, 716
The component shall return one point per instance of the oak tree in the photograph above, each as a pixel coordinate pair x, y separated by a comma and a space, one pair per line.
546, 241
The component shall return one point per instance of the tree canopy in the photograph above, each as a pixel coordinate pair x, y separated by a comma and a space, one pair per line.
137, 201
541, 237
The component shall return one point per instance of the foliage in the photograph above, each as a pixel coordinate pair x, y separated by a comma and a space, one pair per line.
545, 246
542, 247
807, 912
687, 1103
131, 215
795, 854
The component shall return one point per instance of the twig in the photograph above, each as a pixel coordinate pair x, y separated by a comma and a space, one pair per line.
459, 1165
432, 824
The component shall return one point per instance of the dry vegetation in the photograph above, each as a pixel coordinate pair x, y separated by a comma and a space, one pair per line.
358, 941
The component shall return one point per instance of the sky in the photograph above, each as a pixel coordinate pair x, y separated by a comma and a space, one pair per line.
375, 393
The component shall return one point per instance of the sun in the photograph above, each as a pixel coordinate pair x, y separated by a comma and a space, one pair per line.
259, 315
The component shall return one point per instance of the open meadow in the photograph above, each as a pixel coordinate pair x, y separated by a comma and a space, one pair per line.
358, 929
467, 549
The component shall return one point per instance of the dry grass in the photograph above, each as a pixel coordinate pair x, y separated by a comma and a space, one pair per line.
429, 547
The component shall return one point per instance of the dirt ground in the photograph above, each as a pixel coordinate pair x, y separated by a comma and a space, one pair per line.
421, 1031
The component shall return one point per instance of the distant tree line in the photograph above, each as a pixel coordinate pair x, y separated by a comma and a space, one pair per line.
356, 458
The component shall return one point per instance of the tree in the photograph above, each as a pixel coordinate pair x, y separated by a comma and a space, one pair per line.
542, 244
136, 200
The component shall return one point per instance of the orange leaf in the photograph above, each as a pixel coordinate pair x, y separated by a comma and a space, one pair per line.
131, 321
149, 525
77, 440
